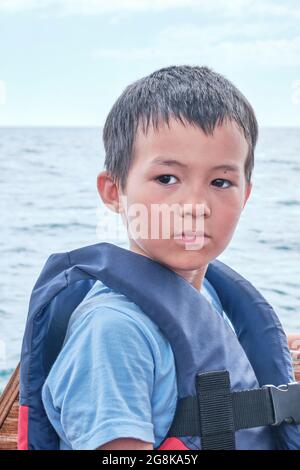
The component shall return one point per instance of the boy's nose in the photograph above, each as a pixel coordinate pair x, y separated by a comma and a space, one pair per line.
194, 209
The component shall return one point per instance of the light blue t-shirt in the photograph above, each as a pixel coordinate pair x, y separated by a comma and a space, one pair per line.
115, 375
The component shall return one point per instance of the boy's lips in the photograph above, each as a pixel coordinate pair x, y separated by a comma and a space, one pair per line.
192, 238
191, 235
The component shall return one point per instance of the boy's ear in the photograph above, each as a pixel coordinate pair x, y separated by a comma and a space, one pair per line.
108, 191
248, 190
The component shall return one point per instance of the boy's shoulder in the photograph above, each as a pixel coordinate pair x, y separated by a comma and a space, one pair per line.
105, 308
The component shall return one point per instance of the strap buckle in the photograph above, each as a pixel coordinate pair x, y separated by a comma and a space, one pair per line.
286, 403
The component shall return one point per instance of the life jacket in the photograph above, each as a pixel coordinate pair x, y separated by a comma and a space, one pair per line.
201, 341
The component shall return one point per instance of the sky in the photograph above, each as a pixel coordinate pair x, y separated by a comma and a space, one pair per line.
65, 62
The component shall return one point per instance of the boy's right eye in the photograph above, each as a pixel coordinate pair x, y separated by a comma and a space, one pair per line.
164, 179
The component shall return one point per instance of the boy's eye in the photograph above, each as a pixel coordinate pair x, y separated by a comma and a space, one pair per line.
164, 179
221, 181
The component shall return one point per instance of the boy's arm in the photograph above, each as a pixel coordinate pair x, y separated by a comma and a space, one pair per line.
126, 444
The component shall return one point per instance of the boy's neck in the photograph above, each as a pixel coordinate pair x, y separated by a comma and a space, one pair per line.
195, 277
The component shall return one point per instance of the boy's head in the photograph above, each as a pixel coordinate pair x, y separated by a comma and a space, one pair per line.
199, 119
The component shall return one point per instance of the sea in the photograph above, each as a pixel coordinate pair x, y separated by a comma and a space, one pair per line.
49, 204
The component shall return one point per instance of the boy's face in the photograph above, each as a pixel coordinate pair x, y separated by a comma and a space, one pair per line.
203, 199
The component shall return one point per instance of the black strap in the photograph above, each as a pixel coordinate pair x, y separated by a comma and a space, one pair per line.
215, 413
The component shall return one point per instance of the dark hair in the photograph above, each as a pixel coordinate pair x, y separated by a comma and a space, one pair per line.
197, 95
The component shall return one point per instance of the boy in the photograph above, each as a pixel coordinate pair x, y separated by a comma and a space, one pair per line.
182, 137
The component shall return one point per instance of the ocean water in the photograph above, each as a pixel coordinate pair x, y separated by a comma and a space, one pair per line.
49, 203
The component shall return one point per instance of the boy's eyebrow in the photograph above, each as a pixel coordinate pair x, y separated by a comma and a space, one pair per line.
171, 162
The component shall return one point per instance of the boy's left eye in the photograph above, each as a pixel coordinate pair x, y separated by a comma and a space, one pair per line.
165, 179
222, 181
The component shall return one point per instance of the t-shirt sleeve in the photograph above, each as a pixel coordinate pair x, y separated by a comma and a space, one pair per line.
102, 382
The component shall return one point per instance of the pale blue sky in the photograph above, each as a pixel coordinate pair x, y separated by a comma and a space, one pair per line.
64, 62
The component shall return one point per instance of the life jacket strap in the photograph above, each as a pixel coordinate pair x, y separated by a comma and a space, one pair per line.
215, 412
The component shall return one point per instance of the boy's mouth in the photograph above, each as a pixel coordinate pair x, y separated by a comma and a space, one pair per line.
190, 236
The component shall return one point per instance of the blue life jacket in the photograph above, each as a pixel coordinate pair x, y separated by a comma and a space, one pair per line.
200, 339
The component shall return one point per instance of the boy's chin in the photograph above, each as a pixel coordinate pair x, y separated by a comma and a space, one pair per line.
183, 261
173, 256
184, 266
